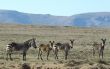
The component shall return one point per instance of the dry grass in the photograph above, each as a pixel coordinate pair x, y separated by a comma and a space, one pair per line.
80, 57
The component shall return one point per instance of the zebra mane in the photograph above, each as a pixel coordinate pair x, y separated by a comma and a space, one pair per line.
28, 41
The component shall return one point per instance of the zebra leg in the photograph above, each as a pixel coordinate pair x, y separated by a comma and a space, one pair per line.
56, 54
10, 56
41, 55
102, 54
93, 52
38, 54
24, 56
66, 54
99, 53
48, 54
7, 56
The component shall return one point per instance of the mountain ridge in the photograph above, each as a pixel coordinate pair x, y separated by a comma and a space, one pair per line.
98, 19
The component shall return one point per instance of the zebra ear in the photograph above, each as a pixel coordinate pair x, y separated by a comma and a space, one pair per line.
102, 39
70, 40
53, 41
49, 41
105, 39
73, 39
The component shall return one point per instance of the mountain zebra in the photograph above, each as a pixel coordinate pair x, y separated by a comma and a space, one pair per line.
13, 46
99, 47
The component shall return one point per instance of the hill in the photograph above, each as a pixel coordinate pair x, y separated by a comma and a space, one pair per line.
96, 19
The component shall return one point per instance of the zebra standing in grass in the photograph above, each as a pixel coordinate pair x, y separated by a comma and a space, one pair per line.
13, 46
46, 48
99, 47
64, 47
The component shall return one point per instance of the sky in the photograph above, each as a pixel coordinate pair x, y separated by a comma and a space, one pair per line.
56, 7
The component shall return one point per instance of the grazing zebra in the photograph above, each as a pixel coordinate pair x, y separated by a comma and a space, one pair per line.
64, 47
99, 47
13, 46
45, 48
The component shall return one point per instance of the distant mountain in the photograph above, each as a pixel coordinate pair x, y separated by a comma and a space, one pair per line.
98, 19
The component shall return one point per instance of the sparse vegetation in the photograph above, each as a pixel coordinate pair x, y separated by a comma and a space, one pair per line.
80, 56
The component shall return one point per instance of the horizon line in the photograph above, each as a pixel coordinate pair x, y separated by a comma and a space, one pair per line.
53, 14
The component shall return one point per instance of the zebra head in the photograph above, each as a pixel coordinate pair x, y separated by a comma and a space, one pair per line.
51, 44
72, 41
103, 41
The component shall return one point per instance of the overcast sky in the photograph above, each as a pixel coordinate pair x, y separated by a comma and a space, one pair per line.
56, 7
